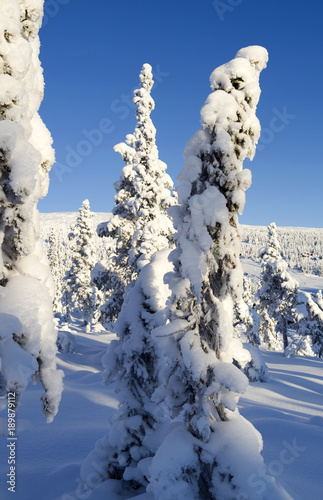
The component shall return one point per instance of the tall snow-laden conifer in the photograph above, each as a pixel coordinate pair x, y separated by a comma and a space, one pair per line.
277, 298
315, 308
306, 338
268, 333
134, 361
183, 368
139, 223
56, 259
213, 452
27, 332
80, 292
244, 321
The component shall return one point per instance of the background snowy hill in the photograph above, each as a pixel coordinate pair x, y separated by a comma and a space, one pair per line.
302, 248
62, 221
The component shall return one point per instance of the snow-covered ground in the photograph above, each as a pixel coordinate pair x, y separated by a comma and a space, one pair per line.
287, 410
49, 455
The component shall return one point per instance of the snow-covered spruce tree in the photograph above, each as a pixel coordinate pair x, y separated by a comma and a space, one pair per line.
246, 324
306, 337
79, 290
134, 362
56, 259
244, 317
267, 332
139, 223
277, 295
27, 332
107, 278
213, 451
316, 318
319, 299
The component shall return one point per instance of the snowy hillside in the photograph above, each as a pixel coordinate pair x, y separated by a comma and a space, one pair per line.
302, 248
307, 282
62, 221
301, 240
61, 224
287, 410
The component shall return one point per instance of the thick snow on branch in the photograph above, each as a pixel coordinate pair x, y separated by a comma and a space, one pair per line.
140, 223
213, 449
28, 343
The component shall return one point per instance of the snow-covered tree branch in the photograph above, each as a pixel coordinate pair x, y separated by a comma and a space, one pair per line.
201, 385
27, 340
140, 223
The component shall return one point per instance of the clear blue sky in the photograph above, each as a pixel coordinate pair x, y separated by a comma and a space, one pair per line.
92, 53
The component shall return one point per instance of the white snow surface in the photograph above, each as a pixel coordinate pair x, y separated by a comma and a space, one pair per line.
287, 411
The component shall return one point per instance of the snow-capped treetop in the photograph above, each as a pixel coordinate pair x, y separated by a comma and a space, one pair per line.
145, 133
83, 239
139, 224
241, 70
273, 249
256, 55
144, 178
146, 77
212, 182
228, 115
